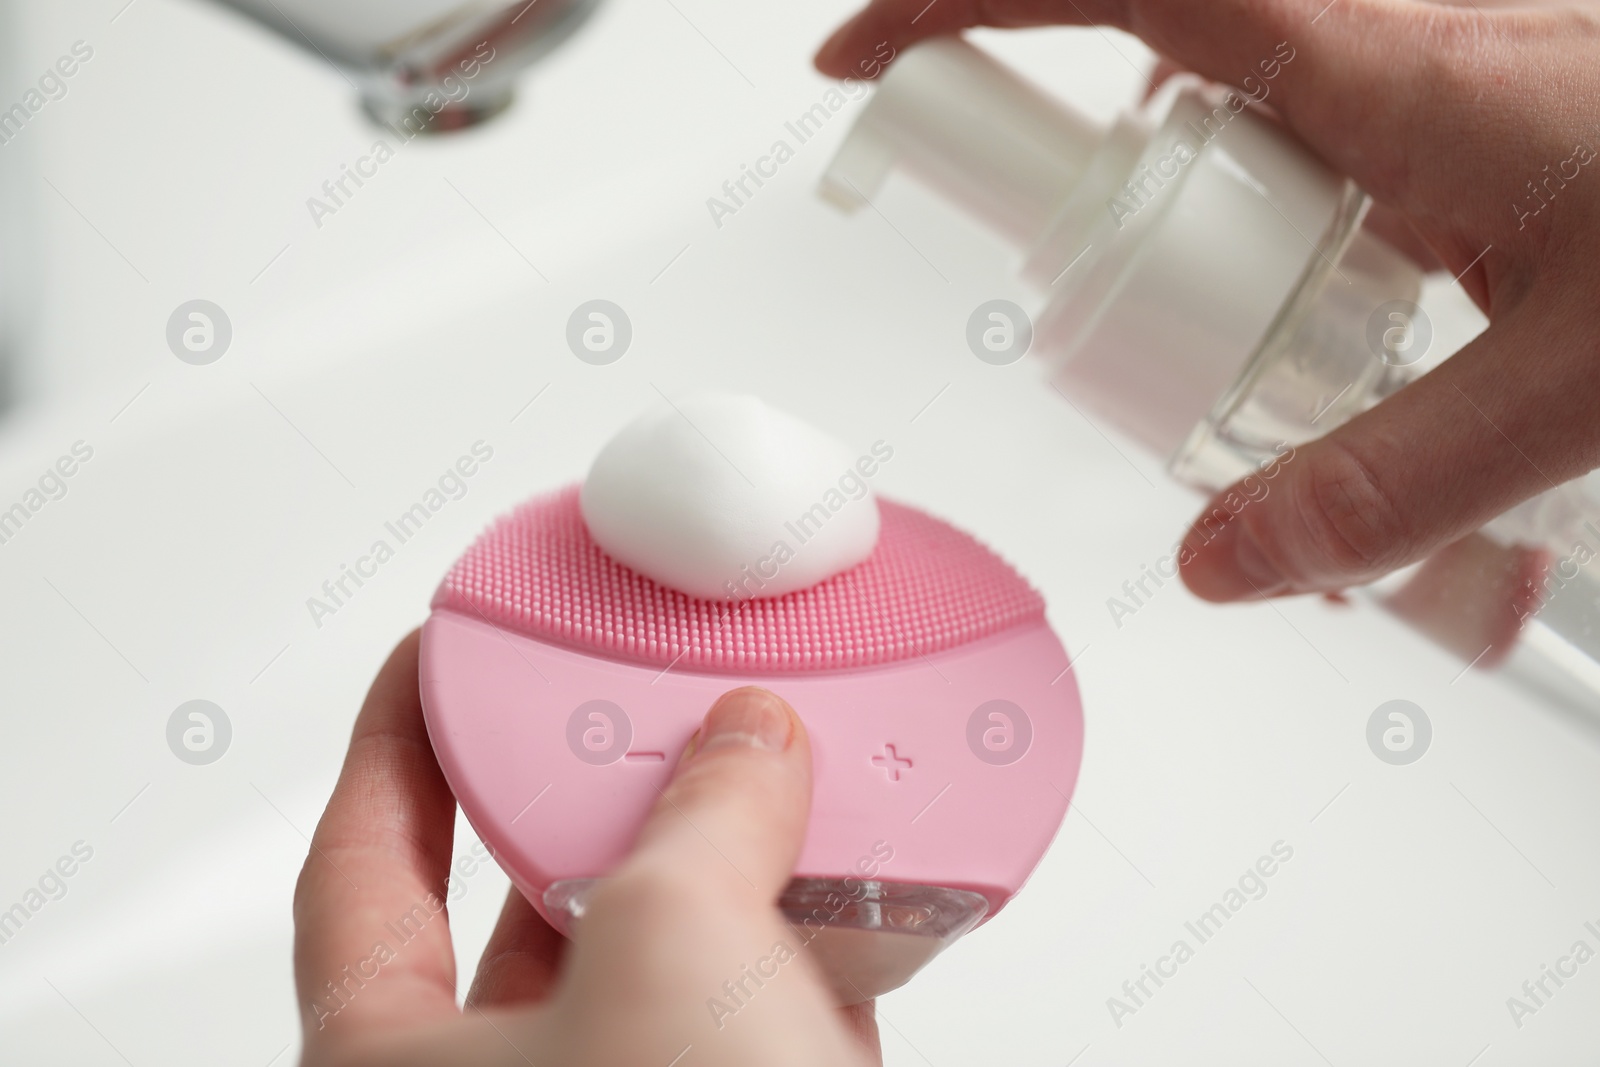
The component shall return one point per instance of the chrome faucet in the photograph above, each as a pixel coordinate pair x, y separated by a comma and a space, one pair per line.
427, 65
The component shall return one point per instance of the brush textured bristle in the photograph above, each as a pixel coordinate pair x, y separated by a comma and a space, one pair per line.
927, 587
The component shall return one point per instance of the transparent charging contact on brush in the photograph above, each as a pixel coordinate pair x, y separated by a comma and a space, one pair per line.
866, 937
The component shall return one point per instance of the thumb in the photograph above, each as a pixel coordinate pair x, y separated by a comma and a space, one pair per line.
690, 912
692, 904
734, 815
1477, 435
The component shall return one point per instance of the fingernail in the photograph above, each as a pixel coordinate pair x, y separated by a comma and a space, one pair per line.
1227, 564
828, 56
751, 717
1258, 570
824, 58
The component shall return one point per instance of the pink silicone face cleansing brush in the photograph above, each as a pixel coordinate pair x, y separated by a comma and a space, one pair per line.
946, 730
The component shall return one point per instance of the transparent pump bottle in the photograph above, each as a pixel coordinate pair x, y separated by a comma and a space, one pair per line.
1210, 290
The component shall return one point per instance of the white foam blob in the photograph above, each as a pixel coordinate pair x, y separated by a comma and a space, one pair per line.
721, 496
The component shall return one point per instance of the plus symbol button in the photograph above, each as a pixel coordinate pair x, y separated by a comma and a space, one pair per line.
891, 762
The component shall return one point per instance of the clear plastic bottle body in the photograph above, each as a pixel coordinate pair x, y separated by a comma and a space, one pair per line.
1525, 591
1319, 364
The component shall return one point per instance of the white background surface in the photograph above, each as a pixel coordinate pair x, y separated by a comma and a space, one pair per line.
370, 353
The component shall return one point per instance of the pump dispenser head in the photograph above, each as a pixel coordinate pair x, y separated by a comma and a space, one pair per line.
964, 124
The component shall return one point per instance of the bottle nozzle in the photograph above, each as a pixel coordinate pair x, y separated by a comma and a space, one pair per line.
966, 125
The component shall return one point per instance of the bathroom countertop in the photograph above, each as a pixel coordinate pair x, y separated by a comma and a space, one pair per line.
429, 314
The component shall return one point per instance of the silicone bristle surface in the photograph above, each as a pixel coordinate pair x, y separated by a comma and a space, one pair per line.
927, 587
